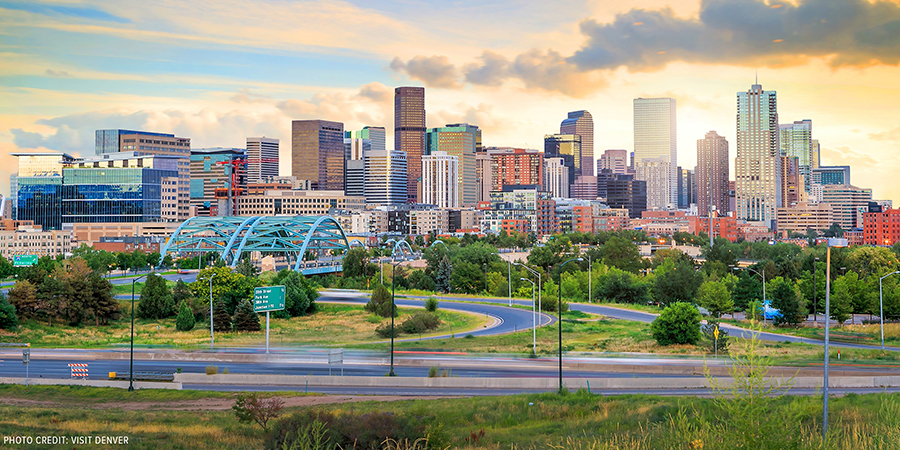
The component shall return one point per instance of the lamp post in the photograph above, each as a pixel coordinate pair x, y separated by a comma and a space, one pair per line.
508, 277
881, 304
559, 317
131, 358
538, 275
815, 291
393, 312
212, 336
533, 319
832, 242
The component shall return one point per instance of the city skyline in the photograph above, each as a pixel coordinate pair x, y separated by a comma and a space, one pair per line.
60, 84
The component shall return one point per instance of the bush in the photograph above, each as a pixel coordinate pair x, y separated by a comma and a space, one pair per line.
380, 302
8, 319
253, 408
431, 305
348, 430
433, 371
212, 370
384, 330
678, 324
420, 323
185, 319
709, 337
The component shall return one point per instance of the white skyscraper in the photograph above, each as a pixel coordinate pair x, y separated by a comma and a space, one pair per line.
757, 172
556, 177
262, 158
385, 177
655, 144
795, 141
440, 180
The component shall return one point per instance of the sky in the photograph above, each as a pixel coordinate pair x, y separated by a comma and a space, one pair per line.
218, 71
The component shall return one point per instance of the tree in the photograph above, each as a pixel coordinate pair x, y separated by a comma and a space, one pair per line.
156, 299
246, 268
6, 268
834, 230
180, 292
223, 281
105, 306
221, 319
871, 260
8, 319
299, 295
467, 278
842, 299
380, 302
184, 321
748, 288
678, 324
622, 254
253, 408
245, 319
715, 297
355, 262
623, 287
444, 273
786, 300
23, 296
676, 283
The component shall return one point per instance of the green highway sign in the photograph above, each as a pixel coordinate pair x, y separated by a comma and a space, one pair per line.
24, 260
269, 298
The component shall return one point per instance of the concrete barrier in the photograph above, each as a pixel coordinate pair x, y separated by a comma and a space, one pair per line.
93, 383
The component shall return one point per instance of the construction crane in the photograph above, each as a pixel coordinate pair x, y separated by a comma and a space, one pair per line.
237, 166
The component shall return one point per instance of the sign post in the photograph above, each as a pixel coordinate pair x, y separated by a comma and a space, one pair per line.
26, 359
716, 344
268, 298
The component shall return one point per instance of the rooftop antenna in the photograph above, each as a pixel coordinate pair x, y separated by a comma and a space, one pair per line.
757, 77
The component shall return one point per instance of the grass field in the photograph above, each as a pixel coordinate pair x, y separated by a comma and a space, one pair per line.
577, 421
332, 325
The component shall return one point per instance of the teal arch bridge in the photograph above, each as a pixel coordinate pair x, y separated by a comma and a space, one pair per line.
294, 237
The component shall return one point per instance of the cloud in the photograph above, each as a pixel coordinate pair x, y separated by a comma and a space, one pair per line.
434, 71
845, 155
59, 74
748, 33
490, 71
890, 135
356, 108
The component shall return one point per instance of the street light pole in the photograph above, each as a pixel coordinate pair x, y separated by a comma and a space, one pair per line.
393, 312
832, 242
881, 305
533, 319
131, 358
815, 291
559, 317
508, 277
212, 336
538, 275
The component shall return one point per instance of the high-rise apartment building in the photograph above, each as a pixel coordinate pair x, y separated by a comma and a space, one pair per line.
655, 145
791, 181
757, 192
582, 124
409, 133
458, 140
516, 166
262, 158
712, 173
317, 153
567, 147
556, 177
616, 160
484, 176
795, 141
152, 143
440, 180
385, 177
212, 172
687, 189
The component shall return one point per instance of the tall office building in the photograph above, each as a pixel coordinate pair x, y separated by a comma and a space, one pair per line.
152, 143
848, 202
440, 180
212, 172
687, 190
556, 177
375, 135
623, 191
830, 175
516, 166
712, 173
355, 149
317, 153
756, 166
791, 184
816, 160
458, 140
409, 133
39, 188
795, 141
582, 124
615, 160
567, 147
262, 158
385, 177
655, 145
484, 176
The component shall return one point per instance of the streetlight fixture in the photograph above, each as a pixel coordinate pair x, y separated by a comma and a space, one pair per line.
538, 275
393, 311
763, 275
881, 304
131, 358
559, 317
212, 335
832, 242
533, 319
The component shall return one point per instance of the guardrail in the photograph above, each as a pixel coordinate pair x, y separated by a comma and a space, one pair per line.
143, 376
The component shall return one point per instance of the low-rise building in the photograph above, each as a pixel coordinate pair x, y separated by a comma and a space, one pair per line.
804, 216
300, 203
91, 233
882, 228
33, 240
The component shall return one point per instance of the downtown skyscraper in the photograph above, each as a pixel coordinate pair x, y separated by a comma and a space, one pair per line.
757, 173
409, 134
656, 150
712, 173
582, 124
317, 153
795, 141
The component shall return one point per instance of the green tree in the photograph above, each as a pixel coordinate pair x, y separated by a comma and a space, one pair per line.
380, 302
245, 319
156, 299
867, 261
221, 318
444, 274
890, 291
223, 281
8, 318
6, 268
246, 268
184, 321
842, 299
622, 254
786, 300
748, 288
105, 306
467, 278
355, 262
715, 297
180, 292
23, 296
678, 324
676, 283
299, 295
623, 287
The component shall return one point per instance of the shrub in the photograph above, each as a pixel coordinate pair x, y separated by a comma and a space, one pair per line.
420, 323
212, 370
431, 305
384, 330
380, 302
348, 430
253, 408
709, 336
433, 371
8, 319
678, 324
185, 319
245, 319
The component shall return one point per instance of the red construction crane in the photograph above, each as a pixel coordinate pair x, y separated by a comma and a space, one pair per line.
238, 164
